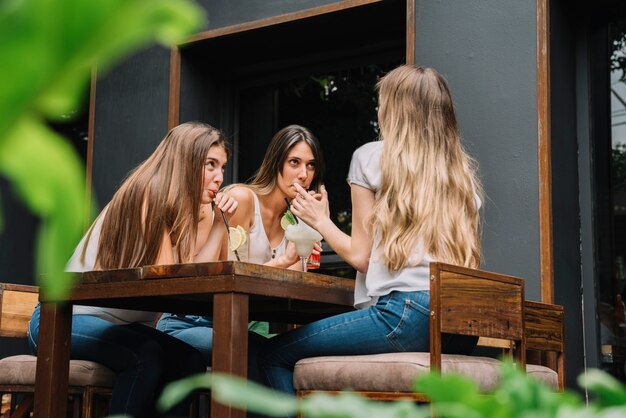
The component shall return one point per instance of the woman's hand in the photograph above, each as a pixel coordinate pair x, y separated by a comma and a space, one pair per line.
292, 259
226, 203
289, 257
312, 208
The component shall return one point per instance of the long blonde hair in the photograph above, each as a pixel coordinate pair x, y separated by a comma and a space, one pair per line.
427, 198
162, 194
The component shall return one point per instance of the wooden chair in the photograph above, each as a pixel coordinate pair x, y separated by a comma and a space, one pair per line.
89, 383
462, 301
544, 326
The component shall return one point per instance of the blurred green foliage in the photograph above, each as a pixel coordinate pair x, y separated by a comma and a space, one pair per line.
49, 48
516, 396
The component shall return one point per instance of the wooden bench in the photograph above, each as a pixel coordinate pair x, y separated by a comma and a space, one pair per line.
544, 332
462, 301
90, 383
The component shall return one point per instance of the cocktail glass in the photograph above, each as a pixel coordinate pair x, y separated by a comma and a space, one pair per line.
304, 237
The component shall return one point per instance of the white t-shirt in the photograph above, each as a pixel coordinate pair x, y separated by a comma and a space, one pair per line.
379, 281
75, 264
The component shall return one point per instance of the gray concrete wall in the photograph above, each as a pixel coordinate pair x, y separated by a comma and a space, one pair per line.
486, 49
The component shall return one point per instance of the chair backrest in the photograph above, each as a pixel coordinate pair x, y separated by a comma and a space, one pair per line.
545, 332
478, 303
17, 303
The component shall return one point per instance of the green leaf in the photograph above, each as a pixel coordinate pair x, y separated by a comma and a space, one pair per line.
52, 46
231, 390
609, 391
48, 176
446, 387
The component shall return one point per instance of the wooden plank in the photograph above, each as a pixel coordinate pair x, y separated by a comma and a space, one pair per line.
410, 31
494, 342
258, 271
16, 309
53, 359
377, 396
544, 150
478, 306
173, 113
544, 326
230, 343
109, 276
435, 318
222, 268
19, 287
151, 288
498, 277
276, 20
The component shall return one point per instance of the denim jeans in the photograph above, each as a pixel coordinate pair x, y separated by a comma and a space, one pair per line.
398, 322
197, 331
143, 359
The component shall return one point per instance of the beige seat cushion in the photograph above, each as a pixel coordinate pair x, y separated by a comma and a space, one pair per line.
20, 370
544, 374
390, 372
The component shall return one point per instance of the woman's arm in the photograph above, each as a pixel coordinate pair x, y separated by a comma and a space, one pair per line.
166, 254
355, 249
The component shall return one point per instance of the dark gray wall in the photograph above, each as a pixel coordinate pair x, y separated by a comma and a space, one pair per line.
130, 119
487, 52
565, 185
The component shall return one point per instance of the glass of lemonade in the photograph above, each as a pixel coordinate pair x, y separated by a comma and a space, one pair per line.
304, 237
238, 243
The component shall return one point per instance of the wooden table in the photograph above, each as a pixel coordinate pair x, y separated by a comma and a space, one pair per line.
233, 292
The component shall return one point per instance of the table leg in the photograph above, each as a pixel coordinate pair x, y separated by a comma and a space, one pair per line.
230, 343
53, 360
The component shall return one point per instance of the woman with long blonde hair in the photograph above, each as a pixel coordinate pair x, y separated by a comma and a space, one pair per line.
161, 214
415, 199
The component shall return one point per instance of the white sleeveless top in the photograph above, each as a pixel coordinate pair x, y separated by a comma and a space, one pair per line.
379, 281
260, 249
117, 316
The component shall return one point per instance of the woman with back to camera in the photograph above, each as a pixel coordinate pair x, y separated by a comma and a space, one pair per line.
162, 214
415, 199
293, 156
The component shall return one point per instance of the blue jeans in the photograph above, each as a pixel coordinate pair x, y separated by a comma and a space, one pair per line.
143, 359
197, 331
399, 322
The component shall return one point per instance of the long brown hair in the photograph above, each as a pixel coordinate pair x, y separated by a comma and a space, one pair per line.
429, 183
162, 194
264, 179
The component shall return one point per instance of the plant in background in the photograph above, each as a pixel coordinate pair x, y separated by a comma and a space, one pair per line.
517, 396
344, 221
49, 48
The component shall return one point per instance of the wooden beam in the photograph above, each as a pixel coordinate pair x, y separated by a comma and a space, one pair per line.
410, 31
275, 20
544, 150
173, 114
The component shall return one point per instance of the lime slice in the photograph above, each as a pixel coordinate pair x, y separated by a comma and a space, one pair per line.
236, 238
287, 219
